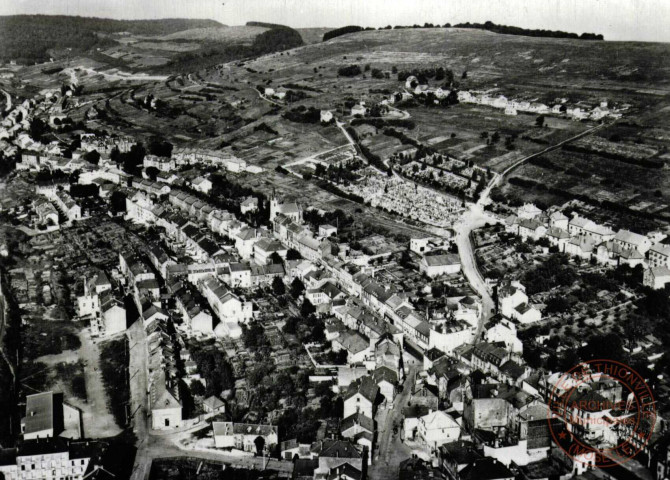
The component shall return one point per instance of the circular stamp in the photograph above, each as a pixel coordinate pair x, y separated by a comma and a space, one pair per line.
601, 413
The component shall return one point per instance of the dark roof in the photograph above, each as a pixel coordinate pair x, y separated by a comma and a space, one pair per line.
486, 469
336, 449
366, 386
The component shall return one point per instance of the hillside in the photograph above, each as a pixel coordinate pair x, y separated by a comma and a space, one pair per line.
486, 55
34, 38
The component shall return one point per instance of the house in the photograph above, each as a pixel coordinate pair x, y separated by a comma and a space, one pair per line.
656, 277
202, 184
213, 404
356, 344
247, 437
659, 255
437, 428
333, 453
455, 456
360, 397
387, 381
581, 246
531, 228
359, 428
326, 116
513, 303
358, 110
244, 242
558, 220
528, 211
436, 265
113, 315
558, 237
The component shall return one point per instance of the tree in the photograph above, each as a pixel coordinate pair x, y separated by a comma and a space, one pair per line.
92, 157
197, 388
160, 147
152, 173
307, 309
297, 288
293, 254
275, 258
278, 286
539, 121
118, 201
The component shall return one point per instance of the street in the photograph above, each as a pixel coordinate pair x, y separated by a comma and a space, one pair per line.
390, 450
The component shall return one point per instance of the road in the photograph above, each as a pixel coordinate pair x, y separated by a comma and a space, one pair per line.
391, 451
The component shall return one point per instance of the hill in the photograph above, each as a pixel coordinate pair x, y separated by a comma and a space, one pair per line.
32, 38
486, 55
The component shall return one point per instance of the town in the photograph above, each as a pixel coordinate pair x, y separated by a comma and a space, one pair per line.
294, 268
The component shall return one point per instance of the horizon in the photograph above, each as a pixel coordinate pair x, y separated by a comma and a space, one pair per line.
631, 21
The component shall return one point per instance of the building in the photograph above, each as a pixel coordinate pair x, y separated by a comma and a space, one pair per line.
513, 303
659, 255
437, 428
51, 459
656, 277
436, 265
326, 231
213, 404
48, 416
290, 210
113, 316
166, 409
360, 397
249, 204
632, 241
245, 436
202, 184
326, 116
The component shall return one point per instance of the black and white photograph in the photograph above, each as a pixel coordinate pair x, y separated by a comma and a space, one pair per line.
334, 239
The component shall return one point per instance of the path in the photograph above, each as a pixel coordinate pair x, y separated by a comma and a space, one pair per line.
137, 343
8, 105
98, 420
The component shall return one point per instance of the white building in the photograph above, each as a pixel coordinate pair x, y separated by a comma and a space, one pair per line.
202, 184
656, 277
245, 436
35, 459
513, 303
437, 428
436, 265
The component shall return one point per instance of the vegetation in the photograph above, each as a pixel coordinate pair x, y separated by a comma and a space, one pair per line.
31, 38
114, 360
341, 31
528, 32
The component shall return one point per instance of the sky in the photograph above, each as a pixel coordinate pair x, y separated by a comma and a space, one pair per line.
643, 20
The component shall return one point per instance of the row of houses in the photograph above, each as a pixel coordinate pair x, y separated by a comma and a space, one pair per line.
586, 239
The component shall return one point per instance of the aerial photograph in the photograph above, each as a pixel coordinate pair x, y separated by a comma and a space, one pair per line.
335, 239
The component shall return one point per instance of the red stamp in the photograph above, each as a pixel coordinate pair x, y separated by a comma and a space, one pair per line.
601, 413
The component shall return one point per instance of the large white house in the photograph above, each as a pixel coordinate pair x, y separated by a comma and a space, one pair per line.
513, 303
